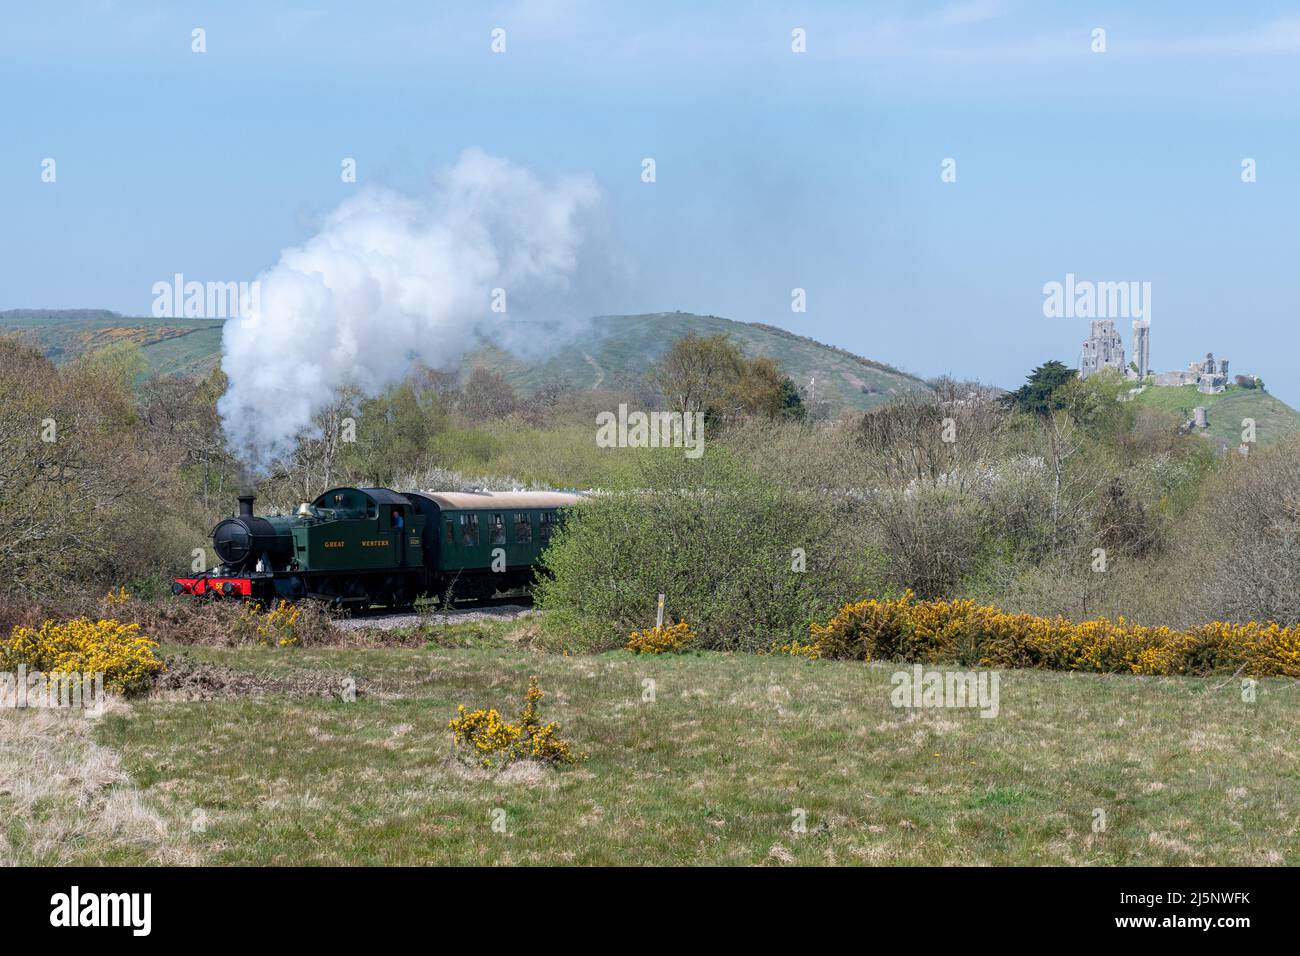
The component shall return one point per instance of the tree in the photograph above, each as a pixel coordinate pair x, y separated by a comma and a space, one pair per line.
487, 395
947, 433
82, 486
710, 374
927, 459
761, 389
181, 413
791, 402
319, 449
543, 402
1240, 547
699, 373
393, 434
1038, 396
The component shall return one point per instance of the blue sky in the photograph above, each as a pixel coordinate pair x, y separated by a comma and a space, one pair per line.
775, 170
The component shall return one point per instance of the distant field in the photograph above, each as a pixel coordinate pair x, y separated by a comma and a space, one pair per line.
713, 771
1226, 411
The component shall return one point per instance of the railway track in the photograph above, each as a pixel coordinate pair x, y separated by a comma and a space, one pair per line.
501, 608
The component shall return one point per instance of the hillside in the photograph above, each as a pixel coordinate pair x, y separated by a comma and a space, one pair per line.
170, 346
619, 350
1273, 418
624, 346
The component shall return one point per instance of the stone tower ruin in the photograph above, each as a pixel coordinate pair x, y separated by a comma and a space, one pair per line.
1103, 349
1142, 348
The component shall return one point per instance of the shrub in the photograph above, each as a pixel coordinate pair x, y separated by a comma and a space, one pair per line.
483, 737
811, 651
278, 626
661, 639
485, 733
1247, 523
973, 634
120, 596
744, 559
124, 656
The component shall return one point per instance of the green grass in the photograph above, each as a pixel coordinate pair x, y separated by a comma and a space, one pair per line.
1274, 419
715, 768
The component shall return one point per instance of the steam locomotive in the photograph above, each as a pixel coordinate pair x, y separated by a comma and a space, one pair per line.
371, 546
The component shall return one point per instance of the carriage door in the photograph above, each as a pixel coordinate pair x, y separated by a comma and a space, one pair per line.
396, 527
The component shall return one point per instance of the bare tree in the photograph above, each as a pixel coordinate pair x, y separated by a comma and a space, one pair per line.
487, 395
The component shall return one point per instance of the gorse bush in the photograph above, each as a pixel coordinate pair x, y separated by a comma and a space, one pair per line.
963, 631
115, 598
278, 626
483, 737
119, 651
661, 639
486, 736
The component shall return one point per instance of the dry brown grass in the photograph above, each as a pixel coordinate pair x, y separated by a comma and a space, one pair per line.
64, 799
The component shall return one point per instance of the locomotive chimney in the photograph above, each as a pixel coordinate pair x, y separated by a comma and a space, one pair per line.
246, 505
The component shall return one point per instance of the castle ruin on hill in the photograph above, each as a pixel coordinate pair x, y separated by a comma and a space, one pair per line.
1105, 349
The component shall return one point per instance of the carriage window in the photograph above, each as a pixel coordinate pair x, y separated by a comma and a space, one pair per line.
451, 531
547, 526
498, 529
523, 528
469, 530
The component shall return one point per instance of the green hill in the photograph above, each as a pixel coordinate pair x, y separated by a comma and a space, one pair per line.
623, 347
1226, 410
170, 346
618, 351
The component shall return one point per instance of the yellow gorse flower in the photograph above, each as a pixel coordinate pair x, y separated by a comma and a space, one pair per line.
661, 639
120, 596
119, 651
964, 631
491, 740
277, 626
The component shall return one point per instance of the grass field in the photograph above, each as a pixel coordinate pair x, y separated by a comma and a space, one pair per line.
1226, 411
713, 770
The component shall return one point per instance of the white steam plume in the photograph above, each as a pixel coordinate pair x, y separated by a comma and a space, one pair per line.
391, 280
